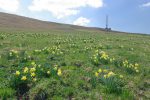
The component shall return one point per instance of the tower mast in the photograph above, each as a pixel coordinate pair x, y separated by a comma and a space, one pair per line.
106, 21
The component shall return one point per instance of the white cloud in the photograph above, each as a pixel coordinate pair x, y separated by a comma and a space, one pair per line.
81, 21
146, 4
63, 8
9, 5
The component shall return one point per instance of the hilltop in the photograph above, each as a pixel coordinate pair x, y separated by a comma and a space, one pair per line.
16, 22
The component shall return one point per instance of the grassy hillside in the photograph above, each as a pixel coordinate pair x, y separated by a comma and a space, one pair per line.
78, 56
65, 62
9, 22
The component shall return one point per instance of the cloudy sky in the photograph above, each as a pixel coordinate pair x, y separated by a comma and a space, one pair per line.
124, 15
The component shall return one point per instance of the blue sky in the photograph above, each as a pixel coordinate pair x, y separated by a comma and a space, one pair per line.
124, 15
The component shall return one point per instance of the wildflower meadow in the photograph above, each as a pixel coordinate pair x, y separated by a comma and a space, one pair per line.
78, 65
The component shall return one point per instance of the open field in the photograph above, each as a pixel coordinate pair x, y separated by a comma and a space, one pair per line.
50, 61
74, 65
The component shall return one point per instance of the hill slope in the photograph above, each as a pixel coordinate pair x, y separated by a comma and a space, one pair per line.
45, 60
10, 21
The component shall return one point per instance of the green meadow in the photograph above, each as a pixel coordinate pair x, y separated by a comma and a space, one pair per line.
74, 65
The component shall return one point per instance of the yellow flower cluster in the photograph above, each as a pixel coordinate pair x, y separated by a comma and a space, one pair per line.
33, 74
133, 67
33, 69
55, 67
25, 70
104, 55
106, 73
59, 73
112, 59
30, 74
33, 63
34, 79
95, 59
54, 50
24, 78
24, 75
17, 73
13, 53
48, 72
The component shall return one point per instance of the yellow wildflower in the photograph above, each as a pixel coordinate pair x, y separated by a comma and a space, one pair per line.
32, 70
105, 76
24, 78
137, 71
14, 51
55, 68
25, 70
53, 52
34, 79
102, 52
96, 74
131, 65
135, 68
48, 72
39, 66
110, 74
59, 72
10, 53
33, 64
136, 64
104, 56
95, 57
33, 74
124, 64
111, 60
100, 70
17, 73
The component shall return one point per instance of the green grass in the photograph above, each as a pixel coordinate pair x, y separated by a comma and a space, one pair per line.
78, 79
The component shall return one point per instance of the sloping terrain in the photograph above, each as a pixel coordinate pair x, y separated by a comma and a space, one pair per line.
11, 22
51, 61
